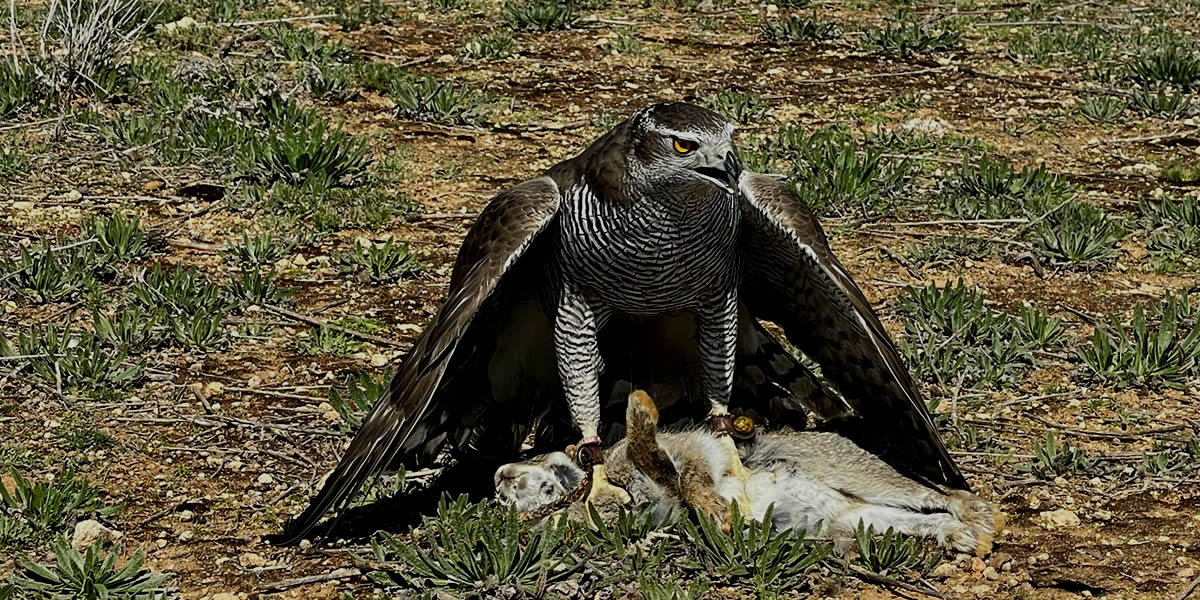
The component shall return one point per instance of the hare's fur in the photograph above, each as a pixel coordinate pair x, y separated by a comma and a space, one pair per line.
816, 481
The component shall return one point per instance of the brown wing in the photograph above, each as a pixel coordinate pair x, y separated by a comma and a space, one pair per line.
508, 225
791, 277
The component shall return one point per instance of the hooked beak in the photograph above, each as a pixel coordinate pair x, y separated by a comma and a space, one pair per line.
724, 172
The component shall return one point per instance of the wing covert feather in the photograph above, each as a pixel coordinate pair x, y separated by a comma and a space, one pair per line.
792, 278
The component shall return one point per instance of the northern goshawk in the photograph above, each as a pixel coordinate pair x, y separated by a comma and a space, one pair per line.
649, 259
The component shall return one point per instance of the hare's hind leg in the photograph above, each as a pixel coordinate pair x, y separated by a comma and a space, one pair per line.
691, 483
950, 531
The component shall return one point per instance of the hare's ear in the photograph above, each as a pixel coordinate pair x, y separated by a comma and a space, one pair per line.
565, 470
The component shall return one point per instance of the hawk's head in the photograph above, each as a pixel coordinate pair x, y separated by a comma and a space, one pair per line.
680, 144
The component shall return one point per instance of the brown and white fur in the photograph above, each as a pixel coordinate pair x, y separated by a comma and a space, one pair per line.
816, 481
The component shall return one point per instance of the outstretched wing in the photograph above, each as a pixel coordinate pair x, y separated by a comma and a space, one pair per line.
506, 228
791, 277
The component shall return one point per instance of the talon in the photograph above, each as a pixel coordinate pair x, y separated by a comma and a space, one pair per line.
721, 425
589, 452
604, 493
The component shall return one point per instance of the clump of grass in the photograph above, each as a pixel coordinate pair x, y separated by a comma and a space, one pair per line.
50, 507
1101, 109
948, 250
1181, 173
119, 237
1161, 102
180, 291
771, 558
1054, 458
14, 158
79, 362
299, 146
1145, 354
995, 189
19, 87
892, 553
950, 335
326, 81
624, 41
741, 107
353, 14
481, 548
323, 340
93, 575
362, 392
1172, 228
303, 45
381, 263
308, 209
1039, 327
133, 328
1172, 65
833, 175
906, 36
493, 46
1081, 234
796, 29
446, 5
1046, 46
50, 273
258, 250
539, 15
258, 286
430, 99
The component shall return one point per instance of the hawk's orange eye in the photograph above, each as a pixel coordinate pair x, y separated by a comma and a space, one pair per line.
684, 146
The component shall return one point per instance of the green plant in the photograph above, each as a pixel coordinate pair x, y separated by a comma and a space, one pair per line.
1037, 326
1079, 233
323, 340
1053, 45
303, 45
892, 553
19, 87
352, 14
994, 189
1172, 229
79, 362
1173, 65
199, 331
948, 249
1161, 103
740, 107
119, 237
479, 547
325, 81
132, 329
14, 159
438, 100
615, 538
1165, 462
1179, 173
769, 557
362, 392
52, 507
1101, 109
258, 250
656, 589
1055, 458
381, 263
796, 29
949, 335
446, 5
493, 46
298, 146
50, 274
181, 291
92, 575
624, 41
539, 15
258, 286
906, 37
1145, 354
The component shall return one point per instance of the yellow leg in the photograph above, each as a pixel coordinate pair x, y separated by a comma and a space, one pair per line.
604, 494
735, 470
